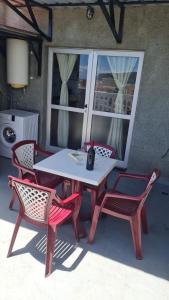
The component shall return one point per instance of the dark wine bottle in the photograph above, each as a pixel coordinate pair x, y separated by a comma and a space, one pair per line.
90, 157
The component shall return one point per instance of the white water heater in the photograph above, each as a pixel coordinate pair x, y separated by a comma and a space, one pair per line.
17, 62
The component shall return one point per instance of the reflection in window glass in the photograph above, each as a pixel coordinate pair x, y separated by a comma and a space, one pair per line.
110, 131
74, 130
115, 83
76, 72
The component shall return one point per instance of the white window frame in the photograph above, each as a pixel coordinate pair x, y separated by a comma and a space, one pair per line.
90, 89
131, 117
51, 106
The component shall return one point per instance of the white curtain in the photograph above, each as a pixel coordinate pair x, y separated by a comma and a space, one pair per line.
66, 64
121, 68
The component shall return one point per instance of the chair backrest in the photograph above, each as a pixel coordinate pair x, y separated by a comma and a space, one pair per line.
152, 179
24, 153
101, 149
35, 201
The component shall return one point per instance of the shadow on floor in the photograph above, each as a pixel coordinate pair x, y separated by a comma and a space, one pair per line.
67, 255
113, 237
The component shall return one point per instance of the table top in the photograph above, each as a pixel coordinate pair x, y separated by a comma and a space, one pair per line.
64, 163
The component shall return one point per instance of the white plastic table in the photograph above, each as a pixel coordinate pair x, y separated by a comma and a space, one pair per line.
64, 165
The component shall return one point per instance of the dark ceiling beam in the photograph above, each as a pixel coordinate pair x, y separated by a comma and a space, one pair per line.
146, 2
73, 4
45, 6
33, 4
139, 2
5, 33
109, 15
50, 16
29, 7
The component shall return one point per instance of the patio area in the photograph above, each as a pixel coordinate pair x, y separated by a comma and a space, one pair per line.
107, 269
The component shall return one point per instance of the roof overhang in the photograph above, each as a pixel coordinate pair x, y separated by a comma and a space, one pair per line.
56, 3
32, 14
34, 18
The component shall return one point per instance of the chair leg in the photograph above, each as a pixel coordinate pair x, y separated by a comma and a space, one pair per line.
79, 229
18, 222
51, 235
63, 190
65, 186
135, 224
94, 224
144, 220
75, 223
14, 196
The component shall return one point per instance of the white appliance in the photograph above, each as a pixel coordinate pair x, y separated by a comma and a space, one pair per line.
15, 126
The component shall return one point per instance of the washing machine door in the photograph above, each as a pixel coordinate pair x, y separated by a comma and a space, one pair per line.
9, 135
8, 138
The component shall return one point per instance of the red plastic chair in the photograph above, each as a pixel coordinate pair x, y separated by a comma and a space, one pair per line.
102, 150
40, 206
127, 207
23, 158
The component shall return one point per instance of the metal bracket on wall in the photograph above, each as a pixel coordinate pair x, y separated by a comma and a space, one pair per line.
110, 17
38, 54
32, 21
2, 51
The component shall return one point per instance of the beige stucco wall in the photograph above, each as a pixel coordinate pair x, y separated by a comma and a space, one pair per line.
146, 29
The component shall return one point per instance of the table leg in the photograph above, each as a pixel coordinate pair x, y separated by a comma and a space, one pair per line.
77, 188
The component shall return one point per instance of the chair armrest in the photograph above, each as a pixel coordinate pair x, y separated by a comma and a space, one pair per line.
23, 168
133, 176
118, 196
43, 152
73, 199
70, 199
129, 176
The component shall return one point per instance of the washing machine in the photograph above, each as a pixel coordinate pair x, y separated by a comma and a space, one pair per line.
15, 126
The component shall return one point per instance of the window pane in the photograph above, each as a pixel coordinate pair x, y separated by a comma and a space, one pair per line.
115, 83
110, 131
69, 77
74, 130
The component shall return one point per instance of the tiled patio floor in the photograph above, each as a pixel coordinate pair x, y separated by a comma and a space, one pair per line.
106, 270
